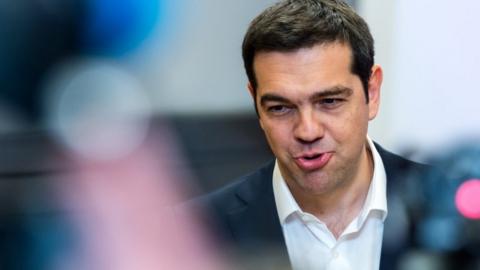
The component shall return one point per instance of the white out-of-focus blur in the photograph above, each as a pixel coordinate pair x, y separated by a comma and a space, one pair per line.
97, 109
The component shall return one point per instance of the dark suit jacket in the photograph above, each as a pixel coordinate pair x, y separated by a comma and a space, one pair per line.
245, 215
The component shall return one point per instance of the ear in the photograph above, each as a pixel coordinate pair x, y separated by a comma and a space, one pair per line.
374, 86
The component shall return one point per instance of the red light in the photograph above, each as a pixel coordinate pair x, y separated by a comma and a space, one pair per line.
467, 199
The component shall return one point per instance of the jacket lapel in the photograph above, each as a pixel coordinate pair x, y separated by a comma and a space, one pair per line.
255, 226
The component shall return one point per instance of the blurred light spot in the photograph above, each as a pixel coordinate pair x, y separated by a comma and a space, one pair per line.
467, 199
421, 260
98, 110
441, 233
115, 27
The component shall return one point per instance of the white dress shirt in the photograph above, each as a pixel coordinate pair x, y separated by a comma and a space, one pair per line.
310, 243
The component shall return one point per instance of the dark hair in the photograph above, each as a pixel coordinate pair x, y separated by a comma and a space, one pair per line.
294, 24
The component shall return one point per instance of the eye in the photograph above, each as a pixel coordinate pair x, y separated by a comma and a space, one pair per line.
331, 103
278, 109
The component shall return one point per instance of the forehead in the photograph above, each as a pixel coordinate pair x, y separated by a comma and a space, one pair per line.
336, 50
319, 66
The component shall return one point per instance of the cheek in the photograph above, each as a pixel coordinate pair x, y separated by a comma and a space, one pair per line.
349, 125
277, 135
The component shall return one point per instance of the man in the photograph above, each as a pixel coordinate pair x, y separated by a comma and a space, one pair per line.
322, 204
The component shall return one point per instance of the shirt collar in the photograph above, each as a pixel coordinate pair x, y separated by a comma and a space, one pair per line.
286, 204
376, 197
377, 192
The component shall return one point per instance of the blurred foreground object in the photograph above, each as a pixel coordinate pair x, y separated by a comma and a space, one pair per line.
124, 213
97, 109
85, 181
68, 211
117, 27
467, 199
443, 213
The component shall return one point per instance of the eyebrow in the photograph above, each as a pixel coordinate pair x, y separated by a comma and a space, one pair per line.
332, 91
272, 98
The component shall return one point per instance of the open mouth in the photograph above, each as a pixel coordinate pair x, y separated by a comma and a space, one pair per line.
313, 161
312, 157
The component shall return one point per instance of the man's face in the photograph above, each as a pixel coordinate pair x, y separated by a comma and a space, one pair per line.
313, 111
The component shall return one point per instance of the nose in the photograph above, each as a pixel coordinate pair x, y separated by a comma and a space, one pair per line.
308, 128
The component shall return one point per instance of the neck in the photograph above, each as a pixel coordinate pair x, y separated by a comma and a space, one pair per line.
340, 205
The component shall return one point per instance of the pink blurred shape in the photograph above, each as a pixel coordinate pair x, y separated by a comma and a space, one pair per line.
467, 199
125, 214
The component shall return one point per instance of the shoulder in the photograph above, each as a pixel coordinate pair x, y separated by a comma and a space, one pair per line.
236, 194
397, 165
215, 208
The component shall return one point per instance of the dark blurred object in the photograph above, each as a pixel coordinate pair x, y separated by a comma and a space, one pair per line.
33, 231
34, 36
439, 234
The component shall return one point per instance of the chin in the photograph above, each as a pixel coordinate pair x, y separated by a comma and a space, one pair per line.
314, 182
317, 185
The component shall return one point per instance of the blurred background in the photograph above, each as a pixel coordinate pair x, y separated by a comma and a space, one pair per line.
104, 87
